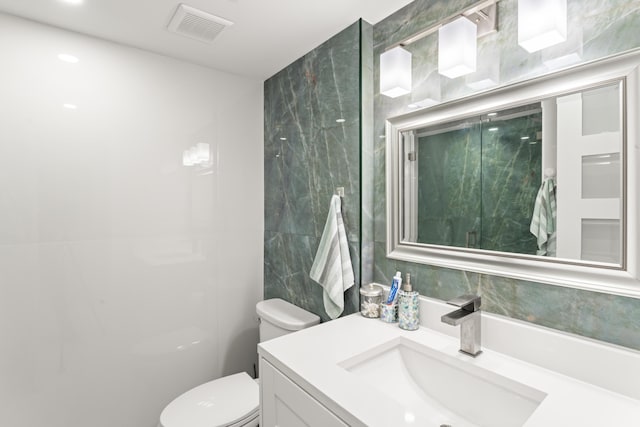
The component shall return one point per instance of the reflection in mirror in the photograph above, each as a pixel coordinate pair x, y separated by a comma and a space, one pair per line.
541, 179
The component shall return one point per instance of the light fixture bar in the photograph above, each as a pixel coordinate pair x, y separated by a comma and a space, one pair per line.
457, 48
476, 8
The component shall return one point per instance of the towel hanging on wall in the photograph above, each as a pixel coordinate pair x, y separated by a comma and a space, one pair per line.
543, 221
332, 268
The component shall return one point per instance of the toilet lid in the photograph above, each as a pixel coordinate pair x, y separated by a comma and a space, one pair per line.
217, 403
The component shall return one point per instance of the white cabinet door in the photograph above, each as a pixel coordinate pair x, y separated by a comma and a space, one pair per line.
284, 404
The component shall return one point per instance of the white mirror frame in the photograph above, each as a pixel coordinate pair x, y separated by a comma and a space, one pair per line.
602, 278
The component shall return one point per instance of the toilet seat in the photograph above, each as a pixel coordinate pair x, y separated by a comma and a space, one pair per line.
226, 402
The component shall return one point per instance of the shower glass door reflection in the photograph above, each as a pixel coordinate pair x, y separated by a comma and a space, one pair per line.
475, 181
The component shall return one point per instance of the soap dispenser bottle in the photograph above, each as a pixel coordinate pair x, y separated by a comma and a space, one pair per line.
408, 307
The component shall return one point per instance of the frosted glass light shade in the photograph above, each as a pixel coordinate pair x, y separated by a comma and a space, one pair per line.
395, 72
457, 48
541, 23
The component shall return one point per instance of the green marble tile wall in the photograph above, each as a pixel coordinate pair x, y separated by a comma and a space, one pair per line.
597, 28
308, 154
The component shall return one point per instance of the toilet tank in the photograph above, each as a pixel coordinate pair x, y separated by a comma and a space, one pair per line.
278, 317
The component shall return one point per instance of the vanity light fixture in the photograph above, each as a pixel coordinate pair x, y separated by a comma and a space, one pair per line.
478, 19
541, 23
395, 72
457, 47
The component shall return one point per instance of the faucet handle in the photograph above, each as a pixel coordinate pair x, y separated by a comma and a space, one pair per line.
468, 302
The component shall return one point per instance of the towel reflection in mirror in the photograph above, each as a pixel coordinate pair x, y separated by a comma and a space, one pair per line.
543, 221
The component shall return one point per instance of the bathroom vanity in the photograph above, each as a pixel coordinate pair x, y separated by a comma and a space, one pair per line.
356, 371
284, 403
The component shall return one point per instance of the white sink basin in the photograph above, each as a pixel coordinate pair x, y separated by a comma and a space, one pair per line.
442, 390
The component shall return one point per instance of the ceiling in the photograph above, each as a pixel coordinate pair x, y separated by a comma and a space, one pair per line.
266, 36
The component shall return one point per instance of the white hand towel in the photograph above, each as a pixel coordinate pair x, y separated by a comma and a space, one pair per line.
332, 267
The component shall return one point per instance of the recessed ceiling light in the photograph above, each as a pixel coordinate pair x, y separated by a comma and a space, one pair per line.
68, 58
70, 106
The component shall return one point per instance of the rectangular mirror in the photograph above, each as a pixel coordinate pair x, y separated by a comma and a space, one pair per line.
482, 182
534, 181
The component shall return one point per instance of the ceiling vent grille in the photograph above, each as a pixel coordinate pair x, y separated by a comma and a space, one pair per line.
196, 24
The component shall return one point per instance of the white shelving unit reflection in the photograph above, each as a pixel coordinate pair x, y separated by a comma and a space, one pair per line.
589, 220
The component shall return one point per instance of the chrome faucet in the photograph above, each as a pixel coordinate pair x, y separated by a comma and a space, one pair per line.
468, 317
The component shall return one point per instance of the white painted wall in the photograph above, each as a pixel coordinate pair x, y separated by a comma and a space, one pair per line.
125, 277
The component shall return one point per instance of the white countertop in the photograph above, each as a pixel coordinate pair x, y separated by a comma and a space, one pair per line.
312, 358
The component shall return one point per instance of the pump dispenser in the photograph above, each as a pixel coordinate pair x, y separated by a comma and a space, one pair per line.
407, 285
408, 307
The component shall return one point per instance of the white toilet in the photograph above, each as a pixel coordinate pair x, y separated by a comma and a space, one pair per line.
234, 401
